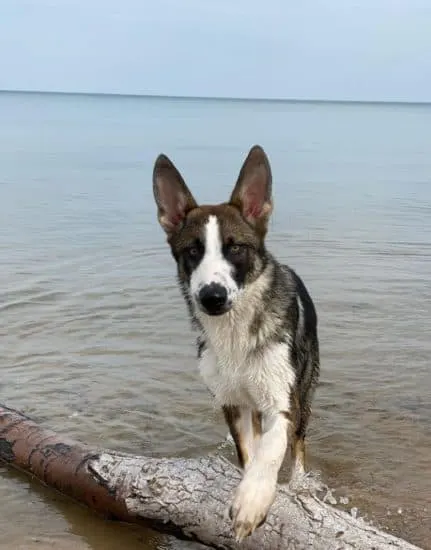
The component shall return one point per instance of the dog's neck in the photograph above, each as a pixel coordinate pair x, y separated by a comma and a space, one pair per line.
242, 329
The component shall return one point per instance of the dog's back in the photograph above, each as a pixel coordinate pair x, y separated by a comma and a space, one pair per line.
304, 347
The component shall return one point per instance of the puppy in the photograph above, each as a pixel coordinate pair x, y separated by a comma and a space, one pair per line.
258, 346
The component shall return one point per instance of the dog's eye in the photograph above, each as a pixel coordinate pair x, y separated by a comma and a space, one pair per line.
235, 249
193, 251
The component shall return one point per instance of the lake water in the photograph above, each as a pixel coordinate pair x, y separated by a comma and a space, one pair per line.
95, 340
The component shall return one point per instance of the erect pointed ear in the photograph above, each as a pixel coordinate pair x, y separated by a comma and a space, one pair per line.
252, 192
172, 195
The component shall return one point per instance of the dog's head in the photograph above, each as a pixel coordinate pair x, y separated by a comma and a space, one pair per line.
218, 248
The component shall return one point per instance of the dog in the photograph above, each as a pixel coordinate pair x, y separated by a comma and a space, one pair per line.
258, 345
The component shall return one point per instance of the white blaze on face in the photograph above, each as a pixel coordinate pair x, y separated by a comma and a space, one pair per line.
213, 268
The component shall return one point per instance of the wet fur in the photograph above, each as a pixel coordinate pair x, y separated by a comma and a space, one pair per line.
260, 359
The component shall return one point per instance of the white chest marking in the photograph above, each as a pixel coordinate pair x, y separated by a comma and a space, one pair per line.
262, 381
238, 367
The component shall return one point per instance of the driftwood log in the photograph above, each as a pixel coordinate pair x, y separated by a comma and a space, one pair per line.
185, 497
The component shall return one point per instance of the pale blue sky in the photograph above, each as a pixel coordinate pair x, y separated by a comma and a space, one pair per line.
327, 49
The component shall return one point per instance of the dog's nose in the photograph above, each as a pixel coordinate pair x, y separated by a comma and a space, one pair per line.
213, 298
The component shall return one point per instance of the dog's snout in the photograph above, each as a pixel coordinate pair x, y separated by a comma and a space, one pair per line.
213, 298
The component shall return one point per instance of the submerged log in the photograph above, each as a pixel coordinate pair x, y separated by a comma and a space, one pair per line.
185, 497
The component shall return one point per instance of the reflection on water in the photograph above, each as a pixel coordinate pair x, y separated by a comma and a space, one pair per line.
95, 338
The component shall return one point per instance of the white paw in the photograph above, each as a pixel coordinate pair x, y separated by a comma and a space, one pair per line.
251, 503
298, 470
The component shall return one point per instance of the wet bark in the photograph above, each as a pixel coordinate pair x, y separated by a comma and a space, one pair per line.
185, 497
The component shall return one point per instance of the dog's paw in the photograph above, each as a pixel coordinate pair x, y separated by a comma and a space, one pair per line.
250, 505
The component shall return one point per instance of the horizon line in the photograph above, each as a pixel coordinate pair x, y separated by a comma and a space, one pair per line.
219, 98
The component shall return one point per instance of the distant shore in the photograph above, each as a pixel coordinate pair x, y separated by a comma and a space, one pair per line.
222, 98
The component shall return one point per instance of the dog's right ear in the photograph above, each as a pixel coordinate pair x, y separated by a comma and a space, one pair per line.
172, 195
252, 192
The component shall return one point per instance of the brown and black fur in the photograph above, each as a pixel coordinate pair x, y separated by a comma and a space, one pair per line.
284, 313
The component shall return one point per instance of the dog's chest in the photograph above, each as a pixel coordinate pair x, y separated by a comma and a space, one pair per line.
240, 365
237, 373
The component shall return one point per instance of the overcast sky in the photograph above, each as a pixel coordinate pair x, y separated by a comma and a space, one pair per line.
328, 49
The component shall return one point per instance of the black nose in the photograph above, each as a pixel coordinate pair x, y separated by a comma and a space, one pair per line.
213, 298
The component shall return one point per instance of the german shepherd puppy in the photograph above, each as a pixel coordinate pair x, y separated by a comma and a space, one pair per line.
258, 346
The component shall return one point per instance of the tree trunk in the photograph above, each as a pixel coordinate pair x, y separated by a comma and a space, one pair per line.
185, 497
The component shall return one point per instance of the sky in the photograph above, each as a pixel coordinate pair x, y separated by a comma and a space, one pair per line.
377, 50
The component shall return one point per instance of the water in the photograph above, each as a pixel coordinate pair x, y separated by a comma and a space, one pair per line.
95, 341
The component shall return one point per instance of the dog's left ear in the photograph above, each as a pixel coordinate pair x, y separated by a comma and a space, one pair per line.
173, 198
252, 192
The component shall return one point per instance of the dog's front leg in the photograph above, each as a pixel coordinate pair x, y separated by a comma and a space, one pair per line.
256, 491
245, 429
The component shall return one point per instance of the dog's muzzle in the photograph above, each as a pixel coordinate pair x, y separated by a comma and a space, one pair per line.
213, 299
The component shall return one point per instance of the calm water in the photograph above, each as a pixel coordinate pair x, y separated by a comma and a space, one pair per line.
95, 341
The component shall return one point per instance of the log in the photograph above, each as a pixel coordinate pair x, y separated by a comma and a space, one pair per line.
185, 497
